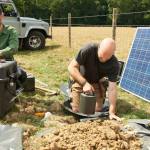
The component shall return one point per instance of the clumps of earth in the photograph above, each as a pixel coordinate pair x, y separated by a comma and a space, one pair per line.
29, 109
50, 124
90, 135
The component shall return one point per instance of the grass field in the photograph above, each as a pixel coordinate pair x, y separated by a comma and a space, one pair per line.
50, 64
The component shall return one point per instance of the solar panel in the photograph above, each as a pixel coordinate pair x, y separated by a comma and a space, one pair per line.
136, 74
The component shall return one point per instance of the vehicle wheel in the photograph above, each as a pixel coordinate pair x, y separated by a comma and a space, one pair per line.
35, 41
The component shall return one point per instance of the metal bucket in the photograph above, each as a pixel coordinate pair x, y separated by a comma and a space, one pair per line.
87, 104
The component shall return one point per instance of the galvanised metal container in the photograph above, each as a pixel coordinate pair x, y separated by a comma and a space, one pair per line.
87, 104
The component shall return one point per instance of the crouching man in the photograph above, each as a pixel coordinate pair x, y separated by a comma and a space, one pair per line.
92, 63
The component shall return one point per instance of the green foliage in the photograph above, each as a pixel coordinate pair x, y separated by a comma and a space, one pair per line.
132, 6
60, 8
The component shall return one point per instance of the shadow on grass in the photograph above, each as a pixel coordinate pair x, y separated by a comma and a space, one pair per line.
47, 48
130, 111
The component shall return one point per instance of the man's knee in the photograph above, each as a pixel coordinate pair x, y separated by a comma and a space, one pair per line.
76, 90
99, 92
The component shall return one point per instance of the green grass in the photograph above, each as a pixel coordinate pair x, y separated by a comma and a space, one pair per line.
131, 107
50, 66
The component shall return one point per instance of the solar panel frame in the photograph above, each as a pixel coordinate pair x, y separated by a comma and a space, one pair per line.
148, 100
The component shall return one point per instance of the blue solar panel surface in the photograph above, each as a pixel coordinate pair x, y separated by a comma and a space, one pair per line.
136, 76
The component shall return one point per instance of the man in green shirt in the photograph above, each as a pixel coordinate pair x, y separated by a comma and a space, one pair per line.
8, 40
9, 44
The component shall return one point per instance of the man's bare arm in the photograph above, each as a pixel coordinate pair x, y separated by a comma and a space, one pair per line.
112, 96
73, 69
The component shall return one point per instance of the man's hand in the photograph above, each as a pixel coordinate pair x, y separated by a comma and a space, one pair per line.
112, 116
88, 88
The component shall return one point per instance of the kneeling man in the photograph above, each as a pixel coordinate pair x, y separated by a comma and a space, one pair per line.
90, 66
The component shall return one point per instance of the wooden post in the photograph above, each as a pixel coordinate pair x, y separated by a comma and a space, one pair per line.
114, 23
24, 11
51, 26
69, 28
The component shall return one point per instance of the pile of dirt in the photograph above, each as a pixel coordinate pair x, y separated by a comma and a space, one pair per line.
56, 121
50, 123
96, 135
31, 110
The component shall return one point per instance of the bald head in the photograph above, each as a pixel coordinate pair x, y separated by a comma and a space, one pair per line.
106, 49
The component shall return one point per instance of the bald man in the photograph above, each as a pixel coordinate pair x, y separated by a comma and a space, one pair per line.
90, 66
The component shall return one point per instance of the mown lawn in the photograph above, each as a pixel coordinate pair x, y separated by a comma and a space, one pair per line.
50, 65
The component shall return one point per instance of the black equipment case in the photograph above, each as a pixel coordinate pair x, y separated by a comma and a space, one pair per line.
29, 84
8, 71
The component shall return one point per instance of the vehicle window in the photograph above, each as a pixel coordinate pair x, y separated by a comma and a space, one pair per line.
8, 10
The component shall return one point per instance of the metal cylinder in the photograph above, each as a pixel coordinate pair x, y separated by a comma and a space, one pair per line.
87, 104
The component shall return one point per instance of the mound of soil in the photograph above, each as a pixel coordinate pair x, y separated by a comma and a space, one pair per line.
96, 135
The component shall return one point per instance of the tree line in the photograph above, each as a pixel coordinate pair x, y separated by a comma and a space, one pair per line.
60, 8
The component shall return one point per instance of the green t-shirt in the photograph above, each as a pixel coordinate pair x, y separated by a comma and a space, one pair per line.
8, 42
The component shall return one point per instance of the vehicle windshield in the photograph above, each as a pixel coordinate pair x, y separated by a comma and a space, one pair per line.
8, 10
